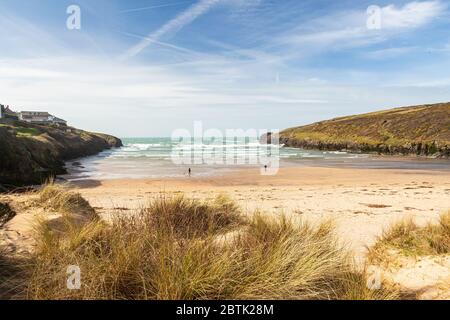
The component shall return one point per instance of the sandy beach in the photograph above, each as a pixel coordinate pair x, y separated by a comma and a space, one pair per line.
361, 202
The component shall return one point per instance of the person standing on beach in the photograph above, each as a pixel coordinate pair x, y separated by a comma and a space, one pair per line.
189, 172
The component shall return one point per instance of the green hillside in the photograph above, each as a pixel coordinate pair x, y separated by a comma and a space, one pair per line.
418, 130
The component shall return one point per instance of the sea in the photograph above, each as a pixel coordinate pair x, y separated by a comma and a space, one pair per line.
163, 157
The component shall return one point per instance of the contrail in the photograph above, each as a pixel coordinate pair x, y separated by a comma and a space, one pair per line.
155, 7
174, 25
160, 43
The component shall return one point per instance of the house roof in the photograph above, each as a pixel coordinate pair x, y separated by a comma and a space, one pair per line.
56, 119
8, 110
26, 116
35, 113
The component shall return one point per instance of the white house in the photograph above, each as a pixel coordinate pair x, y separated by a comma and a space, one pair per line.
35, 117
39, 117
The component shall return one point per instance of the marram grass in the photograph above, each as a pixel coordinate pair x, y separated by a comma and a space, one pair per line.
177, 248
412, 240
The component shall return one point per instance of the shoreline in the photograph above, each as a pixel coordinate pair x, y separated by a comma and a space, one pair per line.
251, 176
101, 168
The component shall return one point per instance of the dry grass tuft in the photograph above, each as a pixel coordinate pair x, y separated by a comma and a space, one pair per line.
12, 276
287, 260
60, 199
168, 251
190, 218
412, 240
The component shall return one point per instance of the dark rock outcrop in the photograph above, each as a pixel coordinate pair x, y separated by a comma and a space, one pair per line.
419, 149
30, 158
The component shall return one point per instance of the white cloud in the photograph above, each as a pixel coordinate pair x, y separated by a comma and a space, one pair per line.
172, 26
411, 15
136, 100
85, 88
348, 29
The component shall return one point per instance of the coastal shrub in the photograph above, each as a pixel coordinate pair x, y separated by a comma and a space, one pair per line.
163, 252
58, 198
411, 239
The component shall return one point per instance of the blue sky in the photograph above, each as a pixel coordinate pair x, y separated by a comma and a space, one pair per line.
148, 67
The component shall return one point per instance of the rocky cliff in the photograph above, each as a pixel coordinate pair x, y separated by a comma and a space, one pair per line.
419, 130
29, 154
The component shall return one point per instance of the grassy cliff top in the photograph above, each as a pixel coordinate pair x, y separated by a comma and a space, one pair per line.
31, 153
29, 130
400, 126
